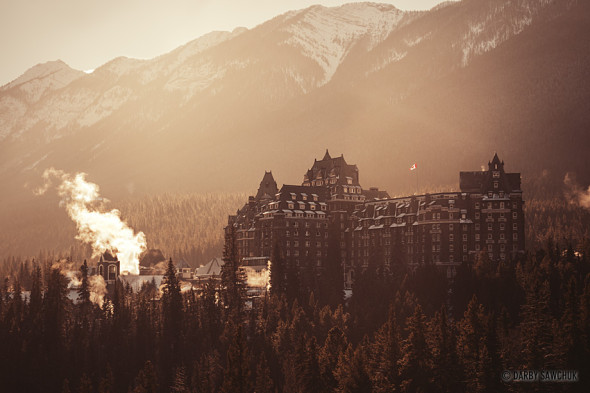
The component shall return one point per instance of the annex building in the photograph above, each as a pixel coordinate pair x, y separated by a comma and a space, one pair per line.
446, 229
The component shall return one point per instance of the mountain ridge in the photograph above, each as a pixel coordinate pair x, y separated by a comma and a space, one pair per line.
284, 90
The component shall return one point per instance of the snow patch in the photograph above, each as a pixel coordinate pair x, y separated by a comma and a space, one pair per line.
11, 110
326, 35
110, 101
500, 24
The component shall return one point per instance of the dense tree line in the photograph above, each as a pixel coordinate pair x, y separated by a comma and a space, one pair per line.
401, 331
187, 226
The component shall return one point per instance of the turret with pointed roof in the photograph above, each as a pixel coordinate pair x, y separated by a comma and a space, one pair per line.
268, 187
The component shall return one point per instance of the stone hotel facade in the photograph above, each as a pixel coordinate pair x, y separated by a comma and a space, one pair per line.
446, 229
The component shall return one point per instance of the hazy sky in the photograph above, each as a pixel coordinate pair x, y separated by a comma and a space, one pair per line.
86, 34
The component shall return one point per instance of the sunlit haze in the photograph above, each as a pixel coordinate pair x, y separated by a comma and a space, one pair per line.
87, 34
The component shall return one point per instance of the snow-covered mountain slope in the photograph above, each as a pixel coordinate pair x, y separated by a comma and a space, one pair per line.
319, 75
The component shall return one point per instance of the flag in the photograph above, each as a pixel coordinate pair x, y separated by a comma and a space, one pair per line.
413, 167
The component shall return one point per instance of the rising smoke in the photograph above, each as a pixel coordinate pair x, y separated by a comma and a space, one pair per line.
258, 279
96, 284
100, 228
575, 193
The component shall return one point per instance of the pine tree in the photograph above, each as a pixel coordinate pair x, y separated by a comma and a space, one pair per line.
85, 384
232, 278
335, 344
471, 339
385, 355
351, 371
146, 381
107, 382
179, 384
35, 301
172, 315
264, 382
446, 370
237, 372
414, 368
84, 290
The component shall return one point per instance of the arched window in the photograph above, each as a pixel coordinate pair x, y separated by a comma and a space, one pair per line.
112, 272
101, 270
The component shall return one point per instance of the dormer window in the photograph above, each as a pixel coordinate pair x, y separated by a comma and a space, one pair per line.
496, 174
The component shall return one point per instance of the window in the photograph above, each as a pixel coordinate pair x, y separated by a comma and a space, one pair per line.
489, 236
477, 216
464, 238
287, 233
451, 237
451, 248
514, 215
477, 205
501, 205
450, 216
477, 227
502, 236
495, 184
496, 174
112, 272
515, 236
477, 247
296, 243
502, 226
477, 237
288, 243
450, 227
514, 227
465, 247
489, 227
308, 244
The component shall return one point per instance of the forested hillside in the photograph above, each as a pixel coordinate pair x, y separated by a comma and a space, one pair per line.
185, 226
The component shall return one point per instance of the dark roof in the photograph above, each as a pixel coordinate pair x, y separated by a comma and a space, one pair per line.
268, 187
107, 256
472, 181
287, 189
374, 193
337, 166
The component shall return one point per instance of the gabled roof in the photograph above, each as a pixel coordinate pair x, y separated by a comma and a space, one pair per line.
213, 268
268, 187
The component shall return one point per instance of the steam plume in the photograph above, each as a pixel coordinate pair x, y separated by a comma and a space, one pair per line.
103, 230
96, 284
575, 193
258, 279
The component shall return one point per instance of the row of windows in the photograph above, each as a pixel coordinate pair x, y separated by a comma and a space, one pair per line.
307, 233
307, 243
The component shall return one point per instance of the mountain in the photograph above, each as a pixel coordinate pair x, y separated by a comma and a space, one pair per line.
444, 88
